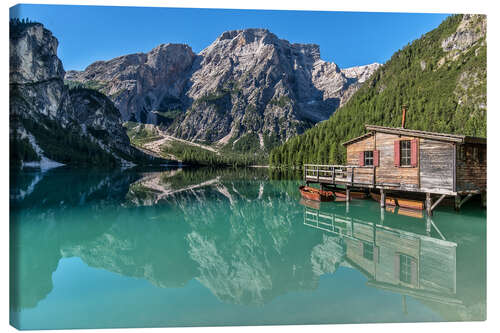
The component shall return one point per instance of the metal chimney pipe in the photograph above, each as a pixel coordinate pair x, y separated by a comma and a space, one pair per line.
404, 117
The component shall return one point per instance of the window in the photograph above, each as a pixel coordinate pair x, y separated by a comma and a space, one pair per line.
405, 152
368, 251
405, 268
368, 157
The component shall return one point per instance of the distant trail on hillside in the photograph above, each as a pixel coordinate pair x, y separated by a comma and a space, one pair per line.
155, 147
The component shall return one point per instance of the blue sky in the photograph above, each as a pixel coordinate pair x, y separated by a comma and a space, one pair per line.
90, 33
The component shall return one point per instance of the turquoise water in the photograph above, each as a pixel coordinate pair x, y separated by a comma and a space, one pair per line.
96, 249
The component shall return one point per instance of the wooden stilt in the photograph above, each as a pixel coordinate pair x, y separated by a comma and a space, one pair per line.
347, 193
382, 198
428, 226
464, 200
483, 199
428, 204
382, 215
457, 202
438, 201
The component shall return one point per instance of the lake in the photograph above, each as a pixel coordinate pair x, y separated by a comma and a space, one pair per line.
205, 247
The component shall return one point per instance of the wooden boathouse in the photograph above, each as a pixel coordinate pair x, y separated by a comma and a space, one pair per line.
393, 160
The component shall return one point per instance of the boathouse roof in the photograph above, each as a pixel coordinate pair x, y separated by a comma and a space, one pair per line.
456, 138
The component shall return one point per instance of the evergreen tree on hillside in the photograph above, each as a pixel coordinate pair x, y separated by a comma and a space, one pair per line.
443, 94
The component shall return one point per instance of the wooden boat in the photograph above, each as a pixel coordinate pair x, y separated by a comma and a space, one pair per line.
401, 202
311, 193
388, 200
354, 195
411, 204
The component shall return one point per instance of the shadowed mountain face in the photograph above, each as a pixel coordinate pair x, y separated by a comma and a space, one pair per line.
247, 83
242, 235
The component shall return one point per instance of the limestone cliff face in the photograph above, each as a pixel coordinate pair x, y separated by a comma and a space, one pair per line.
35, 72
52, 121
141, 84
251, 83
247, 84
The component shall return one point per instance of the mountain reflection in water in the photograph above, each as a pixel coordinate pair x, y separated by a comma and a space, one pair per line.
244, 236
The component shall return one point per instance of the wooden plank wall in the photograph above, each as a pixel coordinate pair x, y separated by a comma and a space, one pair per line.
387, 172
362, 174
355, 148
436, 165
471, 168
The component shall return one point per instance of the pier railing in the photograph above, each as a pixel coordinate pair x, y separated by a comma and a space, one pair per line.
341, 174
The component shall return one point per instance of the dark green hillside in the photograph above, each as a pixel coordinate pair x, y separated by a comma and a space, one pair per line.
441, 77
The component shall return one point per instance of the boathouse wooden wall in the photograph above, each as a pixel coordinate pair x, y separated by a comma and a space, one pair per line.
471, 167
386, 172
361, 174
436, 165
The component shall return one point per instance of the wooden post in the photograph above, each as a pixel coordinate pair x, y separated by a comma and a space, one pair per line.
321, 186
428, 204
347, 193
428, 226
382, 198
382, 216
483, 199
454, 167
457, 202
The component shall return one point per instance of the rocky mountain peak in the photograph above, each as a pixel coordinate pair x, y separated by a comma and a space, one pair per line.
250, 34
259, 37
247, 83
33, 54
